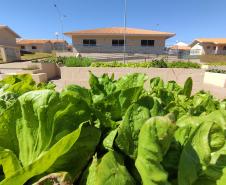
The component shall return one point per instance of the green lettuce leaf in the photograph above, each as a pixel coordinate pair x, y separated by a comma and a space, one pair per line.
155, 138
109, 170
129, 129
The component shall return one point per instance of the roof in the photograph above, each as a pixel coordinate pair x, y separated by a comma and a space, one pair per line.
10, 30
120, 31
38, 41
32, 41
180, 47
57, 41
211, 40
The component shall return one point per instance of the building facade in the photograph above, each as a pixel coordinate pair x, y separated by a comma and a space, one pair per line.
59, 45
9, 51
111, 40
181, 49
210, 46
42, 45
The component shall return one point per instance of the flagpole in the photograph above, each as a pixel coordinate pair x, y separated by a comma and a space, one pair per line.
125, 24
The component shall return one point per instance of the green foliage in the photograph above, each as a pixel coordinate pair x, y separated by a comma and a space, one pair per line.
87, 62
70, 61
217, 71
12, 86
183, 65
155, 63
116, 132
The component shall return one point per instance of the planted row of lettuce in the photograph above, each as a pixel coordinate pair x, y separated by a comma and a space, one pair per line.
115, 133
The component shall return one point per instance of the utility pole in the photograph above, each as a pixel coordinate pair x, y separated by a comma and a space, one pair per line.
125, 25
61, 17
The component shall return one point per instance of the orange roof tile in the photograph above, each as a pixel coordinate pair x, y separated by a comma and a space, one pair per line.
120, 31
176, 47
212, 40
38, 41
57, 41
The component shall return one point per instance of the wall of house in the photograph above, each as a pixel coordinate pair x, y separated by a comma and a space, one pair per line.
197, 49
7, 38
9, 51
60, 46
208, 49
44, 48
9, 54
104, 45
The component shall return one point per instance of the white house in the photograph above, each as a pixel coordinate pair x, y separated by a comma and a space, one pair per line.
208, 46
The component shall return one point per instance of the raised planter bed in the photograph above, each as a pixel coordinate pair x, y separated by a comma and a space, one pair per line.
217, 79
80, 75
37, 77
50, 69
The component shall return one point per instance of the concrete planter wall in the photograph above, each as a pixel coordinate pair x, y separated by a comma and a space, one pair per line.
216, 79
50, 69
80, 75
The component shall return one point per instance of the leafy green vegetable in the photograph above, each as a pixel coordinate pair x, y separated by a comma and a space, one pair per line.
154, 140
110, 170
116, 132
129, 129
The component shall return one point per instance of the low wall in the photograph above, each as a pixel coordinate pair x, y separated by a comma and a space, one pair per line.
80, 75
50, 69
216, 79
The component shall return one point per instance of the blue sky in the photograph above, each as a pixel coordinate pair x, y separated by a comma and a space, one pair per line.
189, 19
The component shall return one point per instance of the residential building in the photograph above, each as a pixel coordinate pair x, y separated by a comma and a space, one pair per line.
111, 40
180, 49
42, 45
9, 51
208, 46
59, 45
38, 45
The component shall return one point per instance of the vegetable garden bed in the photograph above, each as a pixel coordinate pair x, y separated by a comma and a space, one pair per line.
114, 133
80, 75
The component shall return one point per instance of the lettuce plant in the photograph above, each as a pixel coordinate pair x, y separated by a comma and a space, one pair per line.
127, 131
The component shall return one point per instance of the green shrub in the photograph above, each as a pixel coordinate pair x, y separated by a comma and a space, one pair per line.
86, 62
183, 65
155, 63
159, 63
77, 62
69, 61
217, 71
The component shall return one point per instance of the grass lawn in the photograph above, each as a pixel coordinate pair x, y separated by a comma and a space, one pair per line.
37, 56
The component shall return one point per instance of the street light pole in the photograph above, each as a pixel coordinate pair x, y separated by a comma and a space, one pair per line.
61, 17
125, 25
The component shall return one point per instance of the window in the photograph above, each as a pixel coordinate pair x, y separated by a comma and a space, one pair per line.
224, 48
117, 42
208, 47
147, 42
33, 47
22, 47
89, 42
